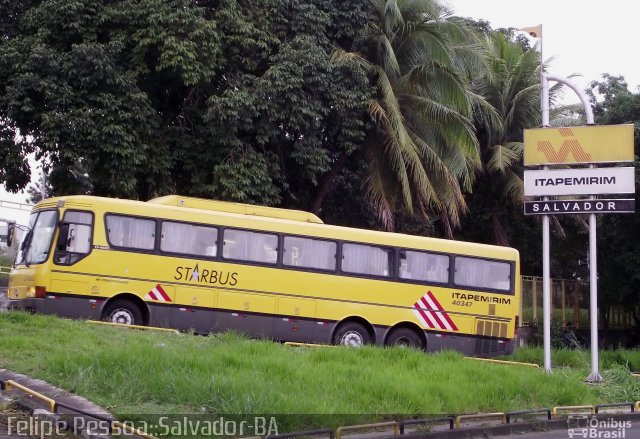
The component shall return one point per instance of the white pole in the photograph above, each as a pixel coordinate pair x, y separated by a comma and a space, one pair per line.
593, 298
546, 241
593, 253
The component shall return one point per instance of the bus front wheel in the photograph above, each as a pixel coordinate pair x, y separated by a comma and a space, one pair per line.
123, 312
352, 334
405, 337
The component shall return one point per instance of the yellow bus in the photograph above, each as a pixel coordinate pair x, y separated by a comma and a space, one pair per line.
211, 266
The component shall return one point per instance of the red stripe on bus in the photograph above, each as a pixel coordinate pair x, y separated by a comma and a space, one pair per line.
427, 310
164, 295
444, 314
424, 316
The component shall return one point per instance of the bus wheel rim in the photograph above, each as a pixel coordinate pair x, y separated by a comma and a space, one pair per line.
122, 316
352, 338
405, 342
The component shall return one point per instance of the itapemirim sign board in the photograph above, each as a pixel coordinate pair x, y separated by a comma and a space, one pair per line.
584, 181
585, 144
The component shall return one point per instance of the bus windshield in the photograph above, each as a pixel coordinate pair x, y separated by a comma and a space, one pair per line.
36, 244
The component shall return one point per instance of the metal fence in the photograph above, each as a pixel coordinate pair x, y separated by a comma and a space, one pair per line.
569, 304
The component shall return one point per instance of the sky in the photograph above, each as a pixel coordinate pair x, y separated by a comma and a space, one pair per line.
581, 36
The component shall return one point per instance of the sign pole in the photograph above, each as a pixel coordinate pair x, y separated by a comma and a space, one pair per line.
593, 297
593, 268
546, 244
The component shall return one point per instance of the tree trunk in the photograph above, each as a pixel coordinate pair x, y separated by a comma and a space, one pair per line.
327, 182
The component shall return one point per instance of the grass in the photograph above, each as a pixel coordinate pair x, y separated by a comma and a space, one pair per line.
135, 372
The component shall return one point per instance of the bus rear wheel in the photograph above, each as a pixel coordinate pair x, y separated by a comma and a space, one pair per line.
352, 334
123, 312
405, 337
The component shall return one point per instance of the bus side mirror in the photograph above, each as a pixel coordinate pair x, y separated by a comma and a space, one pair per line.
10, 232
63, 237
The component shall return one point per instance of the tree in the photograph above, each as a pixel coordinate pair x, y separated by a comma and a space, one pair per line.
227, 99
618, 254
421, 151
104, 82
510, 102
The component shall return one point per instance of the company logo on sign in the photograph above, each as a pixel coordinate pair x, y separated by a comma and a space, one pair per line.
592, 144
431, 314
570, 146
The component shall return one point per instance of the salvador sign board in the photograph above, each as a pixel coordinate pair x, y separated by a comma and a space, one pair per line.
586, 144
585, 181
556, 207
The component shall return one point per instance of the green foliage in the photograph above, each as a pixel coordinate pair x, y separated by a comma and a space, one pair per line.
225, 99
422, 151
228, 374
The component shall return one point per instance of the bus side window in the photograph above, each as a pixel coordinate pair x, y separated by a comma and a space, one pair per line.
482, 273
245, 245
79, 238
189, 239
131, 232
365, 259
403, 269
423, 266
312, 253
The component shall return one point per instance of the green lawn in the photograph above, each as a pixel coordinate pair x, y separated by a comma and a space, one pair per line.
133, 372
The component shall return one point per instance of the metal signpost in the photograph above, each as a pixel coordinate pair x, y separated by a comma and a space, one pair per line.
571, 146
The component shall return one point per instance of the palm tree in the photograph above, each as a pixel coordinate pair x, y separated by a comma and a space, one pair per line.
422, 150
508, 102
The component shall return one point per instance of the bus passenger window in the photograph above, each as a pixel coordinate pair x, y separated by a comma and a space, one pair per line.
483, 273
365, 259
309, 253
250, 246
130, 232
423, 266
189, 239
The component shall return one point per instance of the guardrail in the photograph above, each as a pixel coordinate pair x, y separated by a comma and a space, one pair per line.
117, 427
328, 431
573, 407
7, 385
518, 413
614, 405
114, 426
426, 421
393, 424
461, 418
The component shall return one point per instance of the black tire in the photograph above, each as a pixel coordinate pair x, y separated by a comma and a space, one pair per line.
406, 337
123, 312
351, 334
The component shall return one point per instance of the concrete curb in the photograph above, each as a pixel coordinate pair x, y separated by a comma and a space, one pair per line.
75, 422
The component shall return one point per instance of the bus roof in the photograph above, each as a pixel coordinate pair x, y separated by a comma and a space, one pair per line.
244, 209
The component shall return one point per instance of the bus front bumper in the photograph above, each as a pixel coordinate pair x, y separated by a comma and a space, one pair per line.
28, 304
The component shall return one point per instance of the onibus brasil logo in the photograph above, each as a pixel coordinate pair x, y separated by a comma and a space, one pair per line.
583, 426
